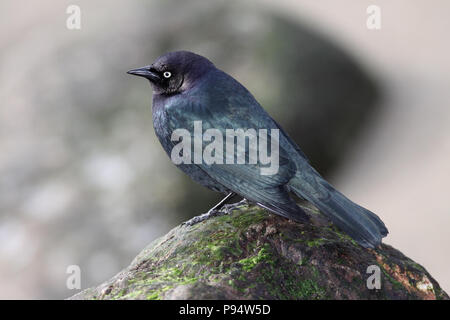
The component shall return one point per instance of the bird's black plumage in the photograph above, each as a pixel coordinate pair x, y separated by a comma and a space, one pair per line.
188, 87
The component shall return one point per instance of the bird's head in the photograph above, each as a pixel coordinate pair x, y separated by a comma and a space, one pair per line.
174, 72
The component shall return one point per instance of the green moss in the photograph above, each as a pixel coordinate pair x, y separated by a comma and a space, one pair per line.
396, 284
152, 285
315, 242
153, 296
121, 293
341, 235
263, 255
243, 221
279, 278
308, 289
416, 266
302, 261
156, 294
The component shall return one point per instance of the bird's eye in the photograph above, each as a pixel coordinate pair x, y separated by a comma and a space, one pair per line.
167, 74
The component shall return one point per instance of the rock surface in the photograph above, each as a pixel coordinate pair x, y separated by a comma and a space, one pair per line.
251, 254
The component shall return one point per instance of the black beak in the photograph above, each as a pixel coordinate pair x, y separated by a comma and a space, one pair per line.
146, 72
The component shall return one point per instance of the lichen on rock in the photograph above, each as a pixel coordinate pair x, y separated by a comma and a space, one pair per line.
252, 254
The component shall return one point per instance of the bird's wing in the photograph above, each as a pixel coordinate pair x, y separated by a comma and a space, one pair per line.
239, 110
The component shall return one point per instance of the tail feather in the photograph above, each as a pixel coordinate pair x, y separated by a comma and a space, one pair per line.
278, 201
362, 225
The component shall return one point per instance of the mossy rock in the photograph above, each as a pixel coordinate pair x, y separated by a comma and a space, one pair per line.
251, 254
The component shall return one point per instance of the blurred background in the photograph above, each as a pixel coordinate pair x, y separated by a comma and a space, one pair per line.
84, 181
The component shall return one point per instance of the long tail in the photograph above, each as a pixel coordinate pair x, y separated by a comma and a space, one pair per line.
363, 226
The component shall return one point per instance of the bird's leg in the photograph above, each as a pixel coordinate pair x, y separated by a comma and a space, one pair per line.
214, 211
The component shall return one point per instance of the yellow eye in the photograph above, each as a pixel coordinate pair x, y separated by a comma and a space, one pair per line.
167, 74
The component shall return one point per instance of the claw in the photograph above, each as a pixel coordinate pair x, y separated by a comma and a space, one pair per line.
235, 206
203, 217
226, 209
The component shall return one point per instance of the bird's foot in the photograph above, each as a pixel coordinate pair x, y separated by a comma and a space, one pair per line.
203, 217
235, 206
226, 209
